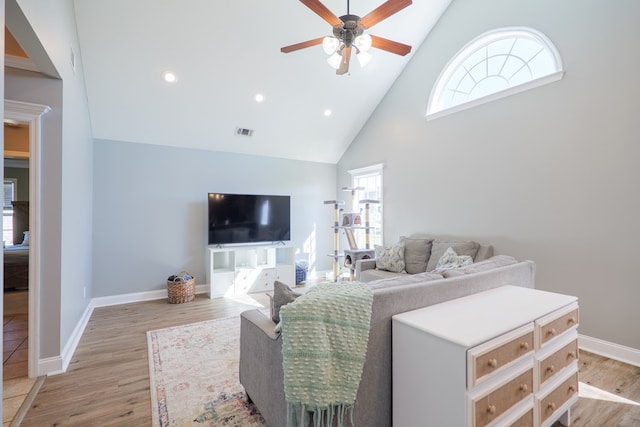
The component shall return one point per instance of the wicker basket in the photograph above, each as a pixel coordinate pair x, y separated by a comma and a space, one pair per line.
180, 291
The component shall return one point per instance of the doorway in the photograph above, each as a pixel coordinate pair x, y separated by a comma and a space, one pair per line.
30, 114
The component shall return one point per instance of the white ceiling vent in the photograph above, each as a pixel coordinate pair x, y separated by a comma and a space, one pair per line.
244, 132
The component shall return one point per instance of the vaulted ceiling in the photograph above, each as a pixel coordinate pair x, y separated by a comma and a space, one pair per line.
223, 54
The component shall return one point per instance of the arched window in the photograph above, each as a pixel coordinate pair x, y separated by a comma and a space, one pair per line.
494, 65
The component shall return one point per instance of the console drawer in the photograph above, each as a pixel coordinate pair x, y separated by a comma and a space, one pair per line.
554, 363
553, 401
524, 421
490, 406
489, 357
556, 323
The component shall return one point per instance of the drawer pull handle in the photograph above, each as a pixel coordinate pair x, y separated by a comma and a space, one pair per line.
493, 363
572, 388
551, 332
524, 387
571, 355
551, 368
491, 409
524, 345
571, 320
551, 405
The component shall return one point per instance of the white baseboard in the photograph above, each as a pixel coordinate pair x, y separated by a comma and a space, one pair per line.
70, 347
59, 364
608, 349
138, 297
50, 366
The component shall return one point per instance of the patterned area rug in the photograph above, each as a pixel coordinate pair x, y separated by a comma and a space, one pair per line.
194, 376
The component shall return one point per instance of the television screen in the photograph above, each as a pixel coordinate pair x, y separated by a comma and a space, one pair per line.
248, 218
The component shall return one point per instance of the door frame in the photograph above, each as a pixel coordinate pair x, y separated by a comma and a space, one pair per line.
31, 114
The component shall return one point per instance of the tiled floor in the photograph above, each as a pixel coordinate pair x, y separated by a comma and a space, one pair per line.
16, 384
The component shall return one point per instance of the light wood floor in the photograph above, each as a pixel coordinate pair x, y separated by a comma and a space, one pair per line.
107, 383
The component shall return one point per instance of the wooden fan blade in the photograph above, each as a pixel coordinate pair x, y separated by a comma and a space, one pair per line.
383, 11
344, 64
390, 46
301, 45
323, 12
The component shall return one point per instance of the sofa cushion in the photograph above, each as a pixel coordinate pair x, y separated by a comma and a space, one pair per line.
450, 260
488, 264
404, 279
390, 258
282, 295
439, 247
375, 274
416, 254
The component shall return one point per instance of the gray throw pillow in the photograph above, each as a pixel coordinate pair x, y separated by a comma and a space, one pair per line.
439, 247
416, 254
282, 295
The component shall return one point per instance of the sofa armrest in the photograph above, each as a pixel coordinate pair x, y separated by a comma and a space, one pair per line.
364, 264
262, 322
260, 369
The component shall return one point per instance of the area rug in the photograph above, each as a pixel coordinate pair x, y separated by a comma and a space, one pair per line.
194, 376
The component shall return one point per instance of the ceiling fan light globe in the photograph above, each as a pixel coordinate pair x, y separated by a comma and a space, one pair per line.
364, 58
363, 42
335, 60
330, 44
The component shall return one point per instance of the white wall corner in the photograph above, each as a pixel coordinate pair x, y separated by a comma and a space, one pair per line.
608, 349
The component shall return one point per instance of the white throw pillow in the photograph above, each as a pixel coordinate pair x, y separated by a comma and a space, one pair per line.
450, 259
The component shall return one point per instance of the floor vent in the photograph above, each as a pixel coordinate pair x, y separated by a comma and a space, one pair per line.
244, 132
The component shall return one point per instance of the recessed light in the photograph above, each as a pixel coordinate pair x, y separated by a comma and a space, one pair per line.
327, 112
169, 77
259, 97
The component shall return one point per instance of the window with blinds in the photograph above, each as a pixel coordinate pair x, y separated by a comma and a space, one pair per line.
10, 189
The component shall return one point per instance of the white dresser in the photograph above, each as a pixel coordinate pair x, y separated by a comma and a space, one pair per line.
503, 357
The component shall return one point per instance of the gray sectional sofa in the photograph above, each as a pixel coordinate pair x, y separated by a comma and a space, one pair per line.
261, 371
421, 254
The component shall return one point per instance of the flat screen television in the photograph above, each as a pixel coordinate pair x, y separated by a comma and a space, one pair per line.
248, 218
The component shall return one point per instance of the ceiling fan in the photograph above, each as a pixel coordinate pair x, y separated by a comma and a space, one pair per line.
348, 33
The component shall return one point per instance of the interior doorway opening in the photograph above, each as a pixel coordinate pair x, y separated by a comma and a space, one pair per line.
30, 114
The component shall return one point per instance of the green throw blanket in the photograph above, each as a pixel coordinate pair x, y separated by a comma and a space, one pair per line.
324, 344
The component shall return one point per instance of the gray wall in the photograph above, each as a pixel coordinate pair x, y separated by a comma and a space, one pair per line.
66, 173
150, 209
549, 174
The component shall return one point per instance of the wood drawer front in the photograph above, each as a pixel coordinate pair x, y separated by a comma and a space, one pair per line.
557, 361
489, 407
489, 362
554, 400
550, 327
491, 356
524, 421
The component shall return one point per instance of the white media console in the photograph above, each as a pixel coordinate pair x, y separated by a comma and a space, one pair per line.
238, 270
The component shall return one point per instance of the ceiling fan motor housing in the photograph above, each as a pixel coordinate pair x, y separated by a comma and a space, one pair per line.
350, 29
